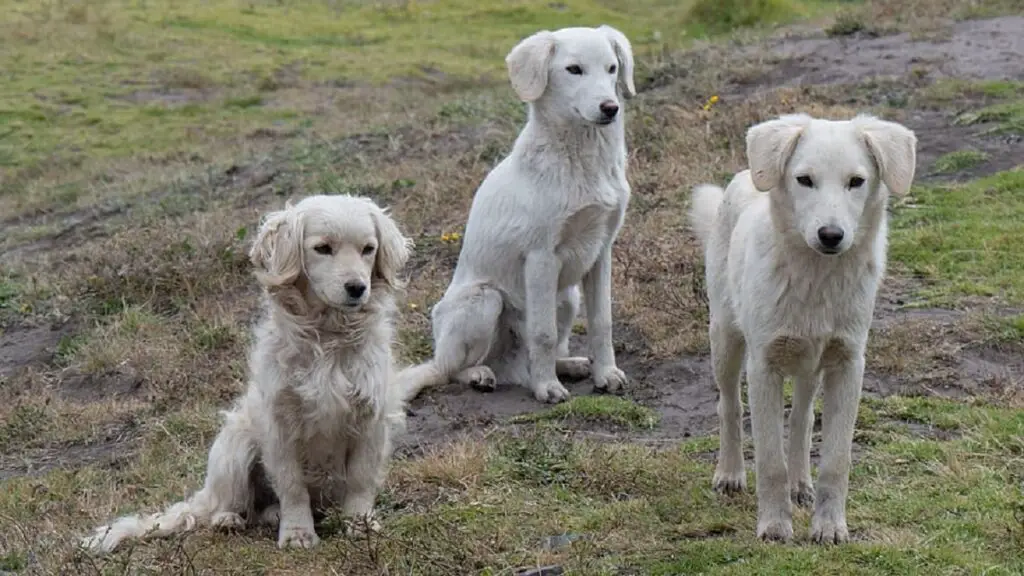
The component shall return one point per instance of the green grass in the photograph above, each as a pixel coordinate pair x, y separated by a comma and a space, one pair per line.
1003, 117
950, 90
964, 239
959, 160
598, 409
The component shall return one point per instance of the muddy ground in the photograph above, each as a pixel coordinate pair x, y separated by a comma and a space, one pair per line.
681, 390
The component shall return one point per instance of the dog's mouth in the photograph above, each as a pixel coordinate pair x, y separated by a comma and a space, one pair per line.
829, 251
602, 121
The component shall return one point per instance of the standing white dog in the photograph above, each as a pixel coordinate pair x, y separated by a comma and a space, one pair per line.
543, 223
314, 428
795, 252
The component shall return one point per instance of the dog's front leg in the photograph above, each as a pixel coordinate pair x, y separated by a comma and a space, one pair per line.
801, 425
541, 273
597, 295
842, 388
280, 459
364, 474
774, 510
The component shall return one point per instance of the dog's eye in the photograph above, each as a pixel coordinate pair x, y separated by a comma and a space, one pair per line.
324, 249
612, 69
368, 249
856, 182
805, 181
574, 69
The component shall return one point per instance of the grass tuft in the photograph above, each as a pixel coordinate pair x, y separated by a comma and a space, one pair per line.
958, 161
598, 409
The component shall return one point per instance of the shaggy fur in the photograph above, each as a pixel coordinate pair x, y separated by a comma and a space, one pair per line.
314, 428
542, 226
795, 253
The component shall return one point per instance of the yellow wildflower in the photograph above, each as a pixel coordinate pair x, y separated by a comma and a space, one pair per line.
711, 102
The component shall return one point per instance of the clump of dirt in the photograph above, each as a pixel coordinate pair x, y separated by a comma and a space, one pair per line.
121, 382
112, 452
29, 345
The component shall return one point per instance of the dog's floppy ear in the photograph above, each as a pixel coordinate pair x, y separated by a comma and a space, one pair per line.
769, 146
894, 148
277, 251
528, 65
393, 248
624, 53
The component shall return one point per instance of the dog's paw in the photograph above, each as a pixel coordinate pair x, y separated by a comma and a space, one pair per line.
729, 482
296, 536
227, 521
479, 378
829, 527
609, 379
361, 526
552, 392
803, 494
271, 515
573, 368
775, 528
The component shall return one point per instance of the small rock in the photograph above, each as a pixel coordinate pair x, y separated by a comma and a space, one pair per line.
553, 570
559, 541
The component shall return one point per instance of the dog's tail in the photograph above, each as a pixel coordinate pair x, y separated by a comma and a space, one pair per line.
225, 493
704, 204
412, 380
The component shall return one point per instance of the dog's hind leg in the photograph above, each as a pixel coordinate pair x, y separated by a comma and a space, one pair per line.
727, 351
566, 366
465, 329
801, 424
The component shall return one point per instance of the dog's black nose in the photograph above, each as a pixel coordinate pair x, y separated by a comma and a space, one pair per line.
830, 236
355, 289
609, 109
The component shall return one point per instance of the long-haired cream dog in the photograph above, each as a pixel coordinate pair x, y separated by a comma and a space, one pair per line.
795, 252
542, 225
314, 428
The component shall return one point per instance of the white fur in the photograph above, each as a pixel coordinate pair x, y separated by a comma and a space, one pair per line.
542, 225
783, 304
314, 428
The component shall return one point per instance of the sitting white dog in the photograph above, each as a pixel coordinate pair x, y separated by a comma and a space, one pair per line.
795, 253
314, 428
543, 223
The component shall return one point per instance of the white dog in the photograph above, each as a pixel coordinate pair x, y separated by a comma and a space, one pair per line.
542, 223
795, 252
314, 428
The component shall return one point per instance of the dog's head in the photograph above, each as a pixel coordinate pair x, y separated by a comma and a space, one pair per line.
577, 73
329, 251
823, 174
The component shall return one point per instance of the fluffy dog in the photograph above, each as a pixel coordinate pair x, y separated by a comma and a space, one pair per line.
795, 253
315, 425
542, 224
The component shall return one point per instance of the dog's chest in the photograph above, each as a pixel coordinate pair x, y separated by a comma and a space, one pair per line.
583, 235
337, 398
